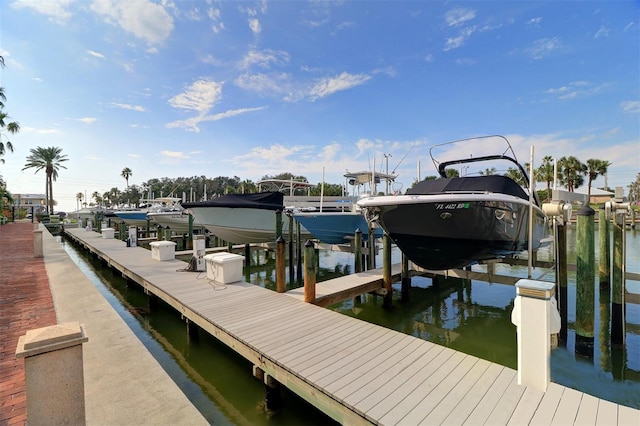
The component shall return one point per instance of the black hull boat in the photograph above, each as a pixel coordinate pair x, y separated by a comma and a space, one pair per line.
458, 221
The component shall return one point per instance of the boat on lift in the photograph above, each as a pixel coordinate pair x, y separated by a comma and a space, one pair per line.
338, 224
454, 221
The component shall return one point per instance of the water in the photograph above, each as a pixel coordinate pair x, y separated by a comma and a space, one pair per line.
469, 316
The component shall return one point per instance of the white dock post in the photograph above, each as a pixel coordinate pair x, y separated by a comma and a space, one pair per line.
536, 317
54, 374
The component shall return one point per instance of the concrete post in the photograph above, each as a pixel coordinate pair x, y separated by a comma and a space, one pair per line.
54, 374
37, 243
536, 317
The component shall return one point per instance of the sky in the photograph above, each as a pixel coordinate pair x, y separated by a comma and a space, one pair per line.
314, 88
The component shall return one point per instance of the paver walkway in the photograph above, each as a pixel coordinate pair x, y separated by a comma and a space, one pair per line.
25, 304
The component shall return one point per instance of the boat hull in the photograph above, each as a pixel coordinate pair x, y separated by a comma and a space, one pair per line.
242, 225
133, 218
447, 231
336, 227
176, 221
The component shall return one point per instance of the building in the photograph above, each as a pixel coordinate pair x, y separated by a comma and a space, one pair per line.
29, 203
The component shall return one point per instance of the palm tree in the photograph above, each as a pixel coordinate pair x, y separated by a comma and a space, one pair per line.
571, 172
595, 168
126, 173
96, 196
12, 127
50, 160
544, 173
79, 198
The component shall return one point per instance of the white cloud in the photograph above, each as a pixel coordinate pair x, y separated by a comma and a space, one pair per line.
264, 58
57, 11
95, 54
192, 124
344, 81
542, 47
142, 18
130, 107
601, 33
459, 16
254, 24
174, 154
455, 42
39, 131
576, 89
200, 96
87, 120
264, 84
632, 107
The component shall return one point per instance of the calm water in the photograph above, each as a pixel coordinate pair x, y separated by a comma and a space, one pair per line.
470, 316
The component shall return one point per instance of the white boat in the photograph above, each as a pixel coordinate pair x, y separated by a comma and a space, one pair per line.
177, 221
138, 217
338, 223
458, 221
242, 218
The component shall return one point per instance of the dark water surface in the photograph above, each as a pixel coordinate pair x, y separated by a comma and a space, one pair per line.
473, 317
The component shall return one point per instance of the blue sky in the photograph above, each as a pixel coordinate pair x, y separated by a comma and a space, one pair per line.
247, 89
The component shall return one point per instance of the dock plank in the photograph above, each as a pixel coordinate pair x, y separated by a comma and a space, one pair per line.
548, 405
354, 371
452, 400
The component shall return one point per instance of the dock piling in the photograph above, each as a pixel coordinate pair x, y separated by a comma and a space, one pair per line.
357, 251
585, 282
618, 314
604, 251
386, 271
280, 279
309, 272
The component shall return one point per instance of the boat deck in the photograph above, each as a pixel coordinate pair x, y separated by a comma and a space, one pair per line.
354, 371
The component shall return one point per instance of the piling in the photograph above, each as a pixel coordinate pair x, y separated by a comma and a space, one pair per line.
298, 253
561, 273
247, 255
280, 280
148, 229
604, 251
278, 224
633, 218
309, 272
291, 271
190, 234
405, 279
372, 248
618, 314
159, 233
585, 282
357, 251
193, 333
386, 271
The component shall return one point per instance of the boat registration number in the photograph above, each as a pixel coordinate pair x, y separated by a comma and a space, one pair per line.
451, 206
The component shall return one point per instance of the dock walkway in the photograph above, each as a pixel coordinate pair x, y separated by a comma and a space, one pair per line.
354, 371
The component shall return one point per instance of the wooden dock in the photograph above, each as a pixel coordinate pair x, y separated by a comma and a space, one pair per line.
354, 371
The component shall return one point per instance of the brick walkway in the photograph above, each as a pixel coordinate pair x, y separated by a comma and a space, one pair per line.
25, 304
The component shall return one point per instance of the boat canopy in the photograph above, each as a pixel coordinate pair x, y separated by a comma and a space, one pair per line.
261, 200
283, 185
490, 183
